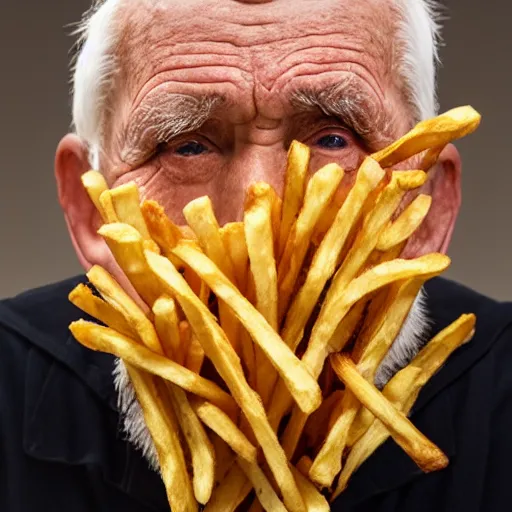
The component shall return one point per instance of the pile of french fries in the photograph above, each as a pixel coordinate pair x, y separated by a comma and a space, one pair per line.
253, 347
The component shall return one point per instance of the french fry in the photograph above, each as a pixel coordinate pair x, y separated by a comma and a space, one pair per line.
264, 490
218, 349
83, 298
426, 455
431, 157
304, 465
218, 421
404, 387
294, 188
201, 218
108, 211
127, 246
406, 224
95, 184
233, 237
200, 448
260, 245
296, 378
161, 229
112, 292
126, 201
195, 356
319, 192
164, 432
167, 327
324, 261
327, 463
315, 502
103, 339
233, 489
441, 130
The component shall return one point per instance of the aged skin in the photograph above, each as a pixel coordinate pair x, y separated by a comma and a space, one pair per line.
211, 93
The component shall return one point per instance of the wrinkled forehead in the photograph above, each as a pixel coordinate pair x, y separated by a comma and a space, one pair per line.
265, 36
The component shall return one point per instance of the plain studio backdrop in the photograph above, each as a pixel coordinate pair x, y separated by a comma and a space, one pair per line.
35, 114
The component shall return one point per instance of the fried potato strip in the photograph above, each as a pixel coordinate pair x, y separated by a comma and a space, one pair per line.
441, 130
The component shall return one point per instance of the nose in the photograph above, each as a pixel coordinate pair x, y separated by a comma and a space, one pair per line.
250, 164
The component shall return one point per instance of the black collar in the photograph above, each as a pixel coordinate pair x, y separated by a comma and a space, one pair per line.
76, 407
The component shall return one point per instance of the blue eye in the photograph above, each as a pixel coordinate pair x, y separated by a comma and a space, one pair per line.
332, 141
191, 148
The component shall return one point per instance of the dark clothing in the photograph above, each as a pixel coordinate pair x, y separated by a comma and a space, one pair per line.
61, 447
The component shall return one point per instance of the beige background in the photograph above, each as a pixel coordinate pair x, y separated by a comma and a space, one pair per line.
34, 114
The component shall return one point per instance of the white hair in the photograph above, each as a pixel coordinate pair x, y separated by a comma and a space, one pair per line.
418, 38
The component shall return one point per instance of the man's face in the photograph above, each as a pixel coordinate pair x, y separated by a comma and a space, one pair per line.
212, 92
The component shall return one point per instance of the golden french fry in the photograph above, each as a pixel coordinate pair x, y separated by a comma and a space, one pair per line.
441, 130
376, 340
162, 230
95, 184
319, 192
112, 292
164, 432
327, 463
367, 283
264, 491
404, 387
108, 211
194, 358
324, 261
201, 218
431, 157
185, 340
201, 450
218, 421
304, 465
233, 237
260, 245
103, 339
294, 188
127, 246
296, 378
218, 349
167, 327
83, 298
126, 201
428, 456
315, 502
406, 224
277, 210
232, 490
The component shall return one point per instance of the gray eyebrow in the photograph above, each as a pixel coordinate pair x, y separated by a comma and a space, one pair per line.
346, 102
162, 118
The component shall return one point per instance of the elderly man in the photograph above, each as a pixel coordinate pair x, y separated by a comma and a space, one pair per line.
203, 97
